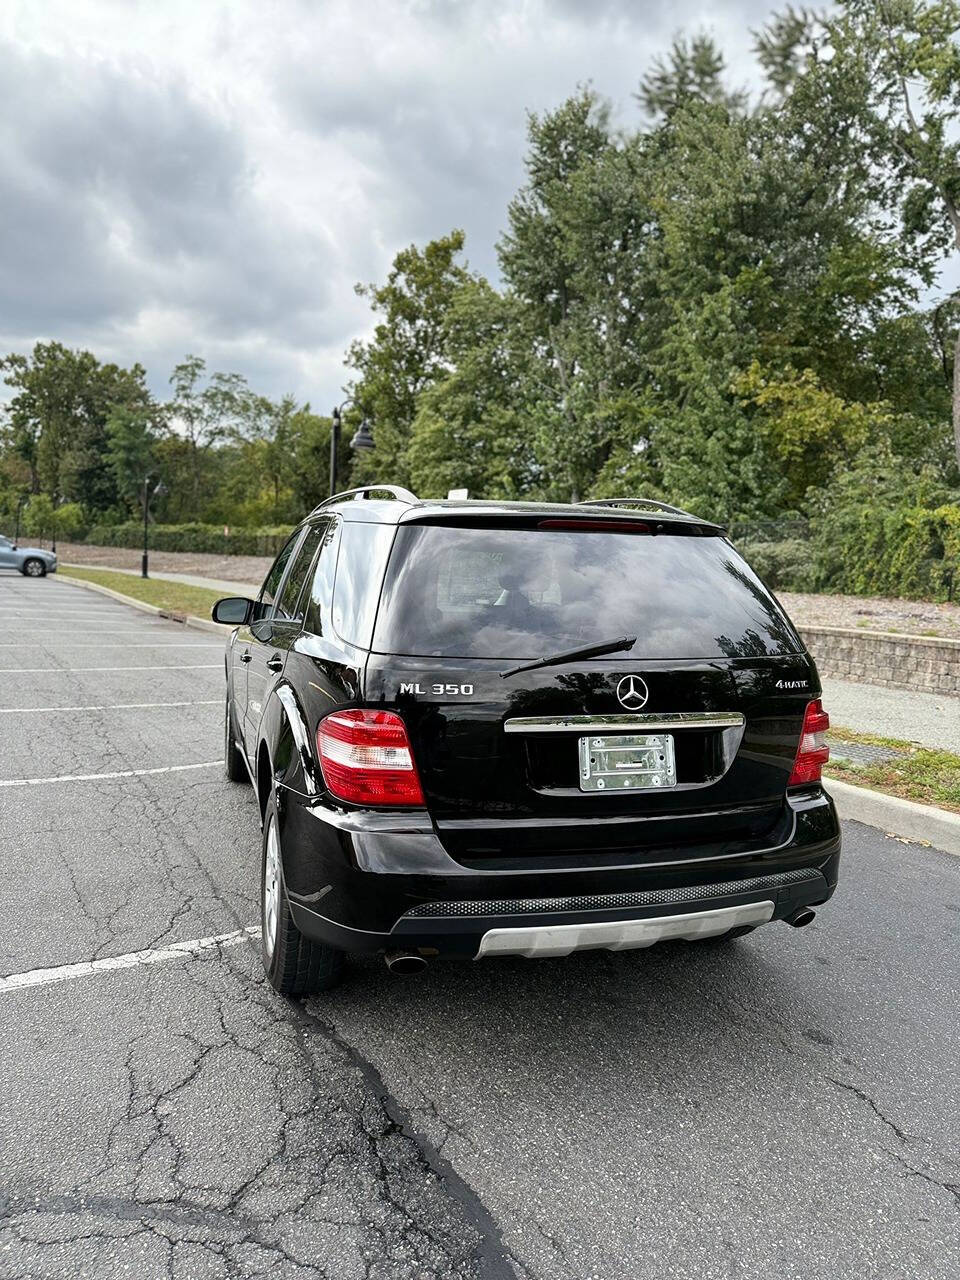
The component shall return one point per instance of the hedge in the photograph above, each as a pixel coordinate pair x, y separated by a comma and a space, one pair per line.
910, 552
264, 541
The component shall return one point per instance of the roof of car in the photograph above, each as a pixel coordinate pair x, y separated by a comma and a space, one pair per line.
403, 507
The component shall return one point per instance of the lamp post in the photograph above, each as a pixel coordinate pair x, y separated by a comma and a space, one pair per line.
362, 439
24, 499
57, 503
158, 491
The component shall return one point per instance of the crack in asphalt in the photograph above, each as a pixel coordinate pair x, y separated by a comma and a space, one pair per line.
497, 1261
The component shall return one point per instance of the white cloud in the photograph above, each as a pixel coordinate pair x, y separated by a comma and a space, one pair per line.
215, 178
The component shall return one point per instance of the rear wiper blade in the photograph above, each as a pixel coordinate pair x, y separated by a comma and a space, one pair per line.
571, 655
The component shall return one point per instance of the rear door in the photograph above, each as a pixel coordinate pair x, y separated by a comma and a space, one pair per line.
503, 757
254, 647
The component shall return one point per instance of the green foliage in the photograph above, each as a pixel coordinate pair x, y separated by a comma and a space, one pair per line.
241, 541
132, 432
56, 420
885, 529
405, 355
784, 565
691, 71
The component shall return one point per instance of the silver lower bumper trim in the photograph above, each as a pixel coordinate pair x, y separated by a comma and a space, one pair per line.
619, 935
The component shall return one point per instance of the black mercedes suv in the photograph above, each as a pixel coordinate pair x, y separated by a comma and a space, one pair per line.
510, 728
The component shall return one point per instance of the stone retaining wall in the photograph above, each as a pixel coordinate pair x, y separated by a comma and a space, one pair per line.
886, 658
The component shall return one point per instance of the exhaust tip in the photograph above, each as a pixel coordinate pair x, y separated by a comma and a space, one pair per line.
405, 962
801, 917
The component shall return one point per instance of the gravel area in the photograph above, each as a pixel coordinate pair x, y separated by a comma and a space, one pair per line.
229, 568
873, 613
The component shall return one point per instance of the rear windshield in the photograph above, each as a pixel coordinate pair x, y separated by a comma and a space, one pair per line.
523, 593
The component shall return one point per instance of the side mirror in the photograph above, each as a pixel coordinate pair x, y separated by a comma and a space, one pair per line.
233, 610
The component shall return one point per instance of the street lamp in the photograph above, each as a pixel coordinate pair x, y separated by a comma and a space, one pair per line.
362, 439
58, 503
158, 491
24, 499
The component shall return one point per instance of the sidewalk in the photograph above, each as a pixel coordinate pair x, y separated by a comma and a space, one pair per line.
929, 719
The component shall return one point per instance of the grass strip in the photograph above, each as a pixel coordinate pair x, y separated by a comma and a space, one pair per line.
175, 597
922, 774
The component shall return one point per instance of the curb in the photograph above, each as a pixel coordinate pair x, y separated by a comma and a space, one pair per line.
925, 822
199, 624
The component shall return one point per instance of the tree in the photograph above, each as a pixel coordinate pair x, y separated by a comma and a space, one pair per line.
132, 433
892, 67
405, 354
206, 415
476, 427
691, 71
578, 256
57, 419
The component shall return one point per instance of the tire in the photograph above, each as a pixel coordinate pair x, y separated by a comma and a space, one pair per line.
34, 568
233, 763
719, 939
295, 965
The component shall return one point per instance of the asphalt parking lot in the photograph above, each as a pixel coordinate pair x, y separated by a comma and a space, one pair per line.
786, 1107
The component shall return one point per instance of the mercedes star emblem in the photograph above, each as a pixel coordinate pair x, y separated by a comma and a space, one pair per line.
632, 692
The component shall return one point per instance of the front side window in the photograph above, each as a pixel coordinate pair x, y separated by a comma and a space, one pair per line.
522, 593
290, 604
268, 592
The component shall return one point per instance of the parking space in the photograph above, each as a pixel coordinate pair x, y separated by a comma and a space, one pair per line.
784, 1107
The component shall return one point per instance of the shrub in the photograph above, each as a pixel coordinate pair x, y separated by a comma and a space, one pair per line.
886, 527
263, 541
785, 565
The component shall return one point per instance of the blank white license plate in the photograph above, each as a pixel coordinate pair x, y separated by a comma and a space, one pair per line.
627, 761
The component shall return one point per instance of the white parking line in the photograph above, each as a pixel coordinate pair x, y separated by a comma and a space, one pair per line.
120, 644
111, 611
84, 969
160, 623
98, 777
112, 706
32, 671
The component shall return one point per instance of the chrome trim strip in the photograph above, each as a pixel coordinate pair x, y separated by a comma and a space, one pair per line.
300, 737
626, 723
619, 935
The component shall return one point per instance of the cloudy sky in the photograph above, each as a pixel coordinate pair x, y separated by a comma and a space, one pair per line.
184, 175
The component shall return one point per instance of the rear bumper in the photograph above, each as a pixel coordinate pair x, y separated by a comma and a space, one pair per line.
366, 881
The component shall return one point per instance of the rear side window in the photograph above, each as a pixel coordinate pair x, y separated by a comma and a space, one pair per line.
523, 593
364, 549
320, 602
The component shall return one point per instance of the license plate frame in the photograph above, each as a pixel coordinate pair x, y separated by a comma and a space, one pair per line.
611, 763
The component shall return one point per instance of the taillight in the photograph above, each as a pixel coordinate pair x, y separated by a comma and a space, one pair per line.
365, 757
813, 752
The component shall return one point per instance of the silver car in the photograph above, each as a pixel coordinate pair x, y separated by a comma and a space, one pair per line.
31, 561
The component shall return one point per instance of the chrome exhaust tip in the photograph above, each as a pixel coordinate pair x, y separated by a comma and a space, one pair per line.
802, 916
405, 962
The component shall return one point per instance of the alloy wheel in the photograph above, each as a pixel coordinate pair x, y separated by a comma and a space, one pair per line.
271, 888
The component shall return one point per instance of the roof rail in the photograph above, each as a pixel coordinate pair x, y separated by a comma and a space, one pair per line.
637, 502
395, 490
